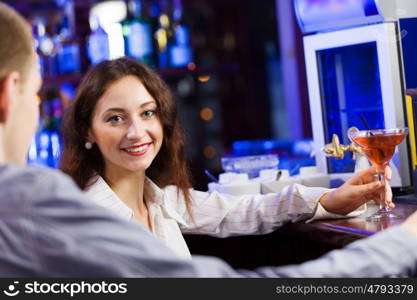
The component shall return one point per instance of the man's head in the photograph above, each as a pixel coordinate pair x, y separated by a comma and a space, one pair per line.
19, 84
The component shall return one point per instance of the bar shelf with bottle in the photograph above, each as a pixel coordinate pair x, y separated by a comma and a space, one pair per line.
199, 48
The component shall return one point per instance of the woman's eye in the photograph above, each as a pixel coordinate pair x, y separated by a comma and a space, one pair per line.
149, 113
115, 119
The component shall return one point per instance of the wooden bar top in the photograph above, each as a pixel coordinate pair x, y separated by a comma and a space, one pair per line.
360, 226
294, 243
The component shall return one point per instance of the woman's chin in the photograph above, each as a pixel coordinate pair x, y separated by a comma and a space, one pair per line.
138, 168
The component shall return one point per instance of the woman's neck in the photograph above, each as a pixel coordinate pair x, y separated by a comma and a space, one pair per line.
129, 188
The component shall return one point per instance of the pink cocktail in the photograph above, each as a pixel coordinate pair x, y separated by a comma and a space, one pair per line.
379, 147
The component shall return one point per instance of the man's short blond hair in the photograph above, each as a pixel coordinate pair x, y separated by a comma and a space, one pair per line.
16, 43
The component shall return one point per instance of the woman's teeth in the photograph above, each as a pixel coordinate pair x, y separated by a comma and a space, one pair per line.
138, 149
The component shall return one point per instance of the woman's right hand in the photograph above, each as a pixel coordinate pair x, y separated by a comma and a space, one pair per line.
361, 188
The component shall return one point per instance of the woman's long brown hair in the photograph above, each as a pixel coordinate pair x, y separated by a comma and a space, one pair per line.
169, 166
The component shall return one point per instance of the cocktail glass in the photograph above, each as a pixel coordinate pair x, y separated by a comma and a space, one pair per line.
379, 147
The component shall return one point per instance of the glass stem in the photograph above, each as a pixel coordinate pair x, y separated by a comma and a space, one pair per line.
382, 203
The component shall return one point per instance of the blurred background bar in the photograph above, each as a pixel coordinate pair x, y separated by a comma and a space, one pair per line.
251, 77
222, 59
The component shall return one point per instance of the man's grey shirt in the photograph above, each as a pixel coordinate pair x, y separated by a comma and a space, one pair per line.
48, 228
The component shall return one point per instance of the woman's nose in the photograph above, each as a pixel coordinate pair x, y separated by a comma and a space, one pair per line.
135, 131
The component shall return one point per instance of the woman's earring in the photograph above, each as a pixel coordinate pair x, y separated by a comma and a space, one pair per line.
88, 145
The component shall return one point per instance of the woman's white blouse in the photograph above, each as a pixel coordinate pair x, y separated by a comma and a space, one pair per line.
216, 214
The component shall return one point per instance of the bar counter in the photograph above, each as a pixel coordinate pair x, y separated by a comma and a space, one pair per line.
294, 243
359, 225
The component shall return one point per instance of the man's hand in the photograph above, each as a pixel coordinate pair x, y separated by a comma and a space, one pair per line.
361, 188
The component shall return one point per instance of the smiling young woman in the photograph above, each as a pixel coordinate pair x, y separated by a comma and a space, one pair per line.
104, 85
124, 146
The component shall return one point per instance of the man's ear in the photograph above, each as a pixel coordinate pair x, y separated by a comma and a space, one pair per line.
9, 89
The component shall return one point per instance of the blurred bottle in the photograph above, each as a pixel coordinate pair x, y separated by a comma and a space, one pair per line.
138, 33
38, 30
126, 27
52, 110
180, 51
45, 47
45, 148
67, 93
153, 12
98, 43
163, 34
68, 54
68, 57
55, 149
56, 114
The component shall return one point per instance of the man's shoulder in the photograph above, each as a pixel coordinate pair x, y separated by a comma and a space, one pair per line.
15, 174
20, 183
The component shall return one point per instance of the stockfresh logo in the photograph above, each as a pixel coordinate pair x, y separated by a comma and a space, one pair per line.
12, 290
